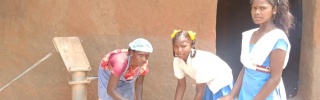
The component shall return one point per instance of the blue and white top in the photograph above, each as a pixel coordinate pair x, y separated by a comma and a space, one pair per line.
254, 80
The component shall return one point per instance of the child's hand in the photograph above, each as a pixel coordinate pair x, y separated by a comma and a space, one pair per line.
227, 97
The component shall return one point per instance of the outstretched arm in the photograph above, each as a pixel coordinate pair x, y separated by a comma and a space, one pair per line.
236, 88
139, 87
112, 86
181, 87
200, 91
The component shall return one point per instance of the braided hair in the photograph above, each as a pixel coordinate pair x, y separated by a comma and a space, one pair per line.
185, 35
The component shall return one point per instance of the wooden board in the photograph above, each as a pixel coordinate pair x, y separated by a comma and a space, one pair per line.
72, 53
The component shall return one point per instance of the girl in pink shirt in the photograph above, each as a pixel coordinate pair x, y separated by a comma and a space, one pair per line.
121, 72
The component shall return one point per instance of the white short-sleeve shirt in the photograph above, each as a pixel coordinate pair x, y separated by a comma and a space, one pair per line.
205, 67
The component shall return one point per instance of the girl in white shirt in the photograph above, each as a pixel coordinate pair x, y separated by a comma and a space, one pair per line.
213, 76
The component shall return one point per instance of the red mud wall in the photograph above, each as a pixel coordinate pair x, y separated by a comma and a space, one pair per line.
310, 50
28, 26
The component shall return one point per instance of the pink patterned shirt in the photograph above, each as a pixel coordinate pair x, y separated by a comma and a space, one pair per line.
116, 62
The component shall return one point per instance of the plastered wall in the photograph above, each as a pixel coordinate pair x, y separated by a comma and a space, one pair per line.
28, 26
310, 51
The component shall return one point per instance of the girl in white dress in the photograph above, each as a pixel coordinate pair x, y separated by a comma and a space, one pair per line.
213, 76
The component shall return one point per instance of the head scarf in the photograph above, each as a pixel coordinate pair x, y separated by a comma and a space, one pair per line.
141, 44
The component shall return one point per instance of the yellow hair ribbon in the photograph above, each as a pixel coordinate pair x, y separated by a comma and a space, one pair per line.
192, 35
174, 33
